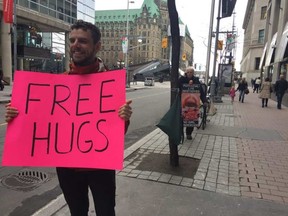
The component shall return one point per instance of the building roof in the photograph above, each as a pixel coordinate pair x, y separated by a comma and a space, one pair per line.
152, 7
121, 15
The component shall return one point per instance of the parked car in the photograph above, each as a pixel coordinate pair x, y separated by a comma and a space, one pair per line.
149, 81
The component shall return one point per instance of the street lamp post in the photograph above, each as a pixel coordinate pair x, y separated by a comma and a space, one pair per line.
127, 35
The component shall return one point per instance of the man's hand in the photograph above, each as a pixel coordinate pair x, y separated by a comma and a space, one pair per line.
11, 112
125, 111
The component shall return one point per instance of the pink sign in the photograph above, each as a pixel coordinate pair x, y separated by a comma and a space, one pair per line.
66, 121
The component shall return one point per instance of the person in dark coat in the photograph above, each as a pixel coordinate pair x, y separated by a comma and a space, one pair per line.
281, 86
243, 85
189, 78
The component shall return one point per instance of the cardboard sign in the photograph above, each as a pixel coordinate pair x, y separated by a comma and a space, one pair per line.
66, 120
190, 103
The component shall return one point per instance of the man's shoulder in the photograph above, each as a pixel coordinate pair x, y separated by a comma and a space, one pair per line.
196, 80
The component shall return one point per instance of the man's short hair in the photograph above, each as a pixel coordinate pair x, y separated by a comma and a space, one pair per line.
80, 24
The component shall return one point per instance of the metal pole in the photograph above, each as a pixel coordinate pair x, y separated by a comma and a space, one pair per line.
126, 56
15, 37
209, 41
213, 84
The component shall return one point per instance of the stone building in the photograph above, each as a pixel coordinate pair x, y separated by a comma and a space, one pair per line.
148, 26
274, 56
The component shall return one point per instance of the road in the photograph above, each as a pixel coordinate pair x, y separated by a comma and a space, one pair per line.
18, 197
149, 105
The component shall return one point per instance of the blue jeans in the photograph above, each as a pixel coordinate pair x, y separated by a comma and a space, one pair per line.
279, 99
241, 95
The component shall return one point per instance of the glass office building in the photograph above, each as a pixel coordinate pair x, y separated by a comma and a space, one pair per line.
65, 10
86, 10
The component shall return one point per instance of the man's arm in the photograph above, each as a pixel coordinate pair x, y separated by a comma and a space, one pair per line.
125, 112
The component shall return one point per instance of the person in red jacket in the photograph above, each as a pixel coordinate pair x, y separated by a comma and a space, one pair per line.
74, 182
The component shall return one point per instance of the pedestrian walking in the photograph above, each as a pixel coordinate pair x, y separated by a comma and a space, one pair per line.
257, 85
265, 92
232, 93
243, 89
85, 42
281, 86
190, 79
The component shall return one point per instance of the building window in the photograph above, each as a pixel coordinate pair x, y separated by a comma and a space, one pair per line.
261, 36
263, 12
257, 63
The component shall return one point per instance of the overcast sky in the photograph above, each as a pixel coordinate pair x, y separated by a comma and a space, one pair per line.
196, 15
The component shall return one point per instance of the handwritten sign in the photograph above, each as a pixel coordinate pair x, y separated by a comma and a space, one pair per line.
190, 103
66, 120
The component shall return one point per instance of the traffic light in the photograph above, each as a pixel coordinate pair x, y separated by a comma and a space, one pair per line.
164, 42
220, 45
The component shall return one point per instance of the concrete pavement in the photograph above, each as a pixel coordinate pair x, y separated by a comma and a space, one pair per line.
243, 161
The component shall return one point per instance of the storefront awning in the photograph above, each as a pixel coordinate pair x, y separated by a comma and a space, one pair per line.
263, 57
281, 47
271, 50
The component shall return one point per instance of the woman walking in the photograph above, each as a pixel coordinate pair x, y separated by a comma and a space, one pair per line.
265, 92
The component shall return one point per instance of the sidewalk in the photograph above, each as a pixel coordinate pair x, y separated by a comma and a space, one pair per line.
243, 168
